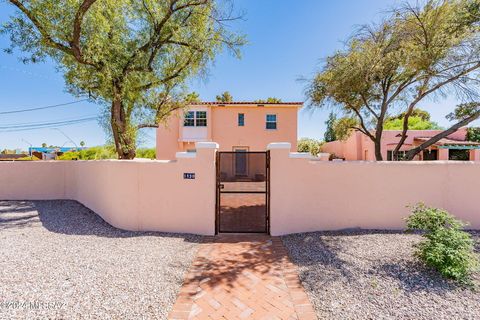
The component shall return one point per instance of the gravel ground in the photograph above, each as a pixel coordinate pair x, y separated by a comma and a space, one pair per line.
59, 260
372, 275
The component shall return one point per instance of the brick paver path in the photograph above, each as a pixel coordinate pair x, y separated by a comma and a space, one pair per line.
242, 277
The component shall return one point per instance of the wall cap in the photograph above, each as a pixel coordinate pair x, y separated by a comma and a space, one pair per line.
301, 155
186, 155
279, 145
206, 145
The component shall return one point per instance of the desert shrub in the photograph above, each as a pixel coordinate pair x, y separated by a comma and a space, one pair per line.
446, 247
309, 145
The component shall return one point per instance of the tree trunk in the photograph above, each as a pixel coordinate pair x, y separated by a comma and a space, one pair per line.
413, 152
124, 141
378, 150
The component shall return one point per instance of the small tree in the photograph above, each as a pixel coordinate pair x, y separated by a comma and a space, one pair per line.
269, 100
82, 143
447, 248
330, 130
44, 145
133, 57
224, 97
312, 146
415, 53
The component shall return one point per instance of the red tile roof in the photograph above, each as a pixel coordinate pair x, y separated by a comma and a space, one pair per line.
213, 103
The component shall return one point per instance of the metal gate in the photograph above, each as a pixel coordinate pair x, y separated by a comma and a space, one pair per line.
243, 187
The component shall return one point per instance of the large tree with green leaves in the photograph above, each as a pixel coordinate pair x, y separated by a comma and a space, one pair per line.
132, 55
418, 52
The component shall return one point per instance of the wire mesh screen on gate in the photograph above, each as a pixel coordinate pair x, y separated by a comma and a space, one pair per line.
242, 198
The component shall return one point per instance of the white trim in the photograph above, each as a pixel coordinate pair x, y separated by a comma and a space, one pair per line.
185, 155
279, 145
206, 145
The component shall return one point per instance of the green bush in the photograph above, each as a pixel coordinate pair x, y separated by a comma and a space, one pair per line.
446, 247
147, 153
312, 146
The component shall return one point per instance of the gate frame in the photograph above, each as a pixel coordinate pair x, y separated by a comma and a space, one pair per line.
218, 191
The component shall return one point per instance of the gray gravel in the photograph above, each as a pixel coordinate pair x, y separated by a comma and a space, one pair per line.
59, 260
372, 275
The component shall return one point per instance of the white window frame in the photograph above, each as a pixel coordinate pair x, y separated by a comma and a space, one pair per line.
194, 118
270, 121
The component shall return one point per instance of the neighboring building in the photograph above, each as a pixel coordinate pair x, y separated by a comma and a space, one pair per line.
51, 153
235, 126
359, 147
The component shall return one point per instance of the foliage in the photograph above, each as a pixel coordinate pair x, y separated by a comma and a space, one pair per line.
417, 51
416, 112
82, 143
104, 152
224, 97
269, 100
344, 127
146, 153
414, 123
133, 57
44, 145
446, 247
309, 145
192, 97
28, 158
92, 153
330, 130
473, 134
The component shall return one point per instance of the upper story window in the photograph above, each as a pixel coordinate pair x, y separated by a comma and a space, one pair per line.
195, 119
201, 118
241, 119
271, 121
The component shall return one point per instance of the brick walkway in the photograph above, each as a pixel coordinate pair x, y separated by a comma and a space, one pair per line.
242, 277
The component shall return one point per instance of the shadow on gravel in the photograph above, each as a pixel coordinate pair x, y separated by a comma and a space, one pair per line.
321, 252
69, 217
413, 276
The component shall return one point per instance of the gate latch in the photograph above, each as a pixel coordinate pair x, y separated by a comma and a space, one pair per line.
221, 186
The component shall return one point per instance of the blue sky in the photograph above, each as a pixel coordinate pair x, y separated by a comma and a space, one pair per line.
287, 41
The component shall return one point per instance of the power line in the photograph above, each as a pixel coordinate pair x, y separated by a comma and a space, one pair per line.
42, 108
45, 121
46, 125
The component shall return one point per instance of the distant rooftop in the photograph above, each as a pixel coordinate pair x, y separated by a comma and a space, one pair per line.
216, 103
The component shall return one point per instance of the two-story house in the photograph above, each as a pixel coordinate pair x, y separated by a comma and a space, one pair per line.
235, 126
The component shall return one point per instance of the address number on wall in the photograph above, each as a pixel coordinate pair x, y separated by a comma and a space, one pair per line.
189, 175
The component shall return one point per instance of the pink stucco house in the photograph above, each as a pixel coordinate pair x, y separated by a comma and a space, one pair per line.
359, 147
235, 126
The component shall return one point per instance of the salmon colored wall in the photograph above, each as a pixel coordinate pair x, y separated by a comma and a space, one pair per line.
222, 127
167, 138
227, 133
133, 195
318, 195
359, 147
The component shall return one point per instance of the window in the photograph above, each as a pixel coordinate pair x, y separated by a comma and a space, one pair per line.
400, 155
189, 119
201, 119
241, 119
195, 119
271, 121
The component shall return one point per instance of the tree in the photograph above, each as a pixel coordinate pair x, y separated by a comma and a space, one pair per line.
414, 123
416, 53
82, 143
309, 145
269, 100
224, 97
132, 56
473, 134
44, 145
330, 131
192, 97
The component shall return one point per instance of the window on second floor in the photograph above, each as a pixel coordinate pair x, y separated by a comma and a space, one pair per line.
271, 122
241, 119
195, 119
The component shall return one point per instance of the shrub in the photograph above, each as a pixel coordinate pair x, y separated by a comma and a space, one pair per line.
147, 153
446, 247
312, 146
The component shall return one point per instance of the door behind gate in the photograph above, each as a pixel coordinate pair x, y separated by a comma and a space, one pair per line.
243, 183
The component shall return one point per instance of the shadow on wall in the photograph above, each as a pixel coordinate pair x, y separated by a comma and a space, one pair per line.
68, 217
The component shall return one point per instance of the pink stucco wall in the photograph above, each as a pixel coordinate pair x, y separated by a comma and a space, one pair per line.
309, 195
359, 147
306, 194
222, 127
132, 195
